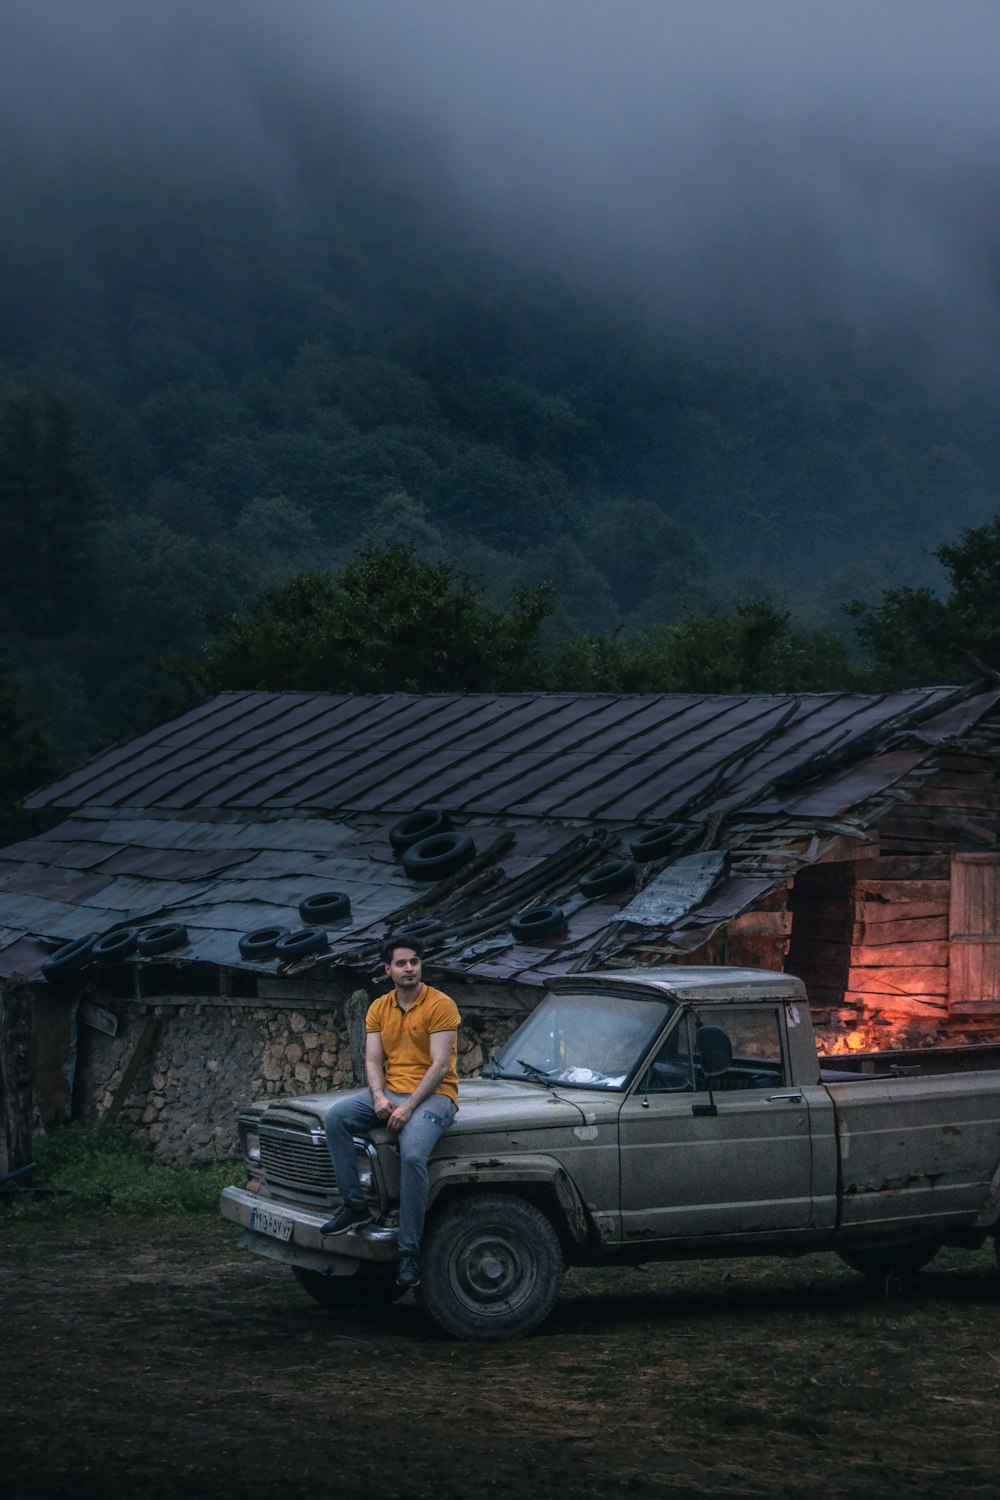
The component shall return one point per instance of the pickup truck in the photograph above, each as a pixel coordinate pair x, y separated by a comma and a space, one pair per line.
655, 1114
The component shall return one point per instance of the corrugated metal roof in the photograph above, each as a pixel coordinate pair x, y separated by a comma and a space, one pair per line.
597, 758
226, 818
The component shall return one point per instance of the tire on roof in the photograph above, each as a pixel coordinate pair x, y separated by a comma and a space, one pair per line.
439, 856
615, 875
115, 947
260, 944
327, 906
418, 825
658, 841
538, 922
165, 937
301, 944
71, 958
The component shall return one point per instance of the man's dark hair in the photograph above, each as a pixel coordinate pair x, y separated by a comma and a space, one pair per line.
400, 940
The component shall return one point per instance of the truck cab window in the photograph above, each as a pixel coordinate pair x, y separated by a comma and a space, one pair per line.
755, 1032
671, 1070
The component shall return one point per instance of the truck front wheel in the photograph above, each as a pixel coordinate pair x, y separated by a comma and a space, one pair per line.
370, 1286
490, 1267
881, 1261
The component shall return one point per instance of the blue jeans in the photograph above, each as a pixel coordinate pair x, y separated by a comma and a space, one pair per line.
355, 1115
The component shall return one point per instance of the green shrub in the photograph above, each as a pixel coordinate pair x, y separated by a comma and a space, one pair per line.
106, 1167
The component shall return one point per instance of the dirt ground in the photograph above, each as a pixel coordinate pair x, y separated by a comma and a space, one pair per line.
150, 1358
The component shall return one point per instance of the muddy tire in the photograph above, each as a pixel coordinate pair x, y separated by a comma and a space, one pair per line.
370, 1286
881, 1261
490, 1268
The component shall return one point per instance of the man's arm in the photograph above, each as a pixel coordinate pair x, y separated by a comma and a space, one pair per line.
441, 1043
375, 1072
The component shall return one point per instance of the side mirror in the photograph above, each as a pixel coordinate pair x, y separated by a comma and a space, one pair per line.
715, 1050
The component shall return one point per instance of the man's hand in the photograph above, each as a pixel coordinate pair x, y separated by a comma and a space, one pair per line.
399, 1116
383, 1106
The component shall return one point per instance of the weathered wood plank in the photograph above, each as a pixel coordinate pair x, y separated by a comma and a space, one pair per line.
762, 921
900, 955
906, 867
900, 930
355, 1010
926, 980
975, 910
879, 913
900, 1005
140, 1052
900, 892
974, 797
17, 1072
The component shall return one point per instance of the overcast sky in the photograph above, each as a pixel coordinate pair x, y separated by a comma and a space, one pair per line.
715, 160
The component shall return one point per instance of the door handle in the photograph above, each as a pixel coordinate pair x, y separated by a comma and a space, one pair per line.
773, 1098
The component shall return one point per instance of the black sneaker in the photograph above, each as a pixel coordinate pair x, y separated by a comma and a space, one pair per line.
408, 1274
346, 1218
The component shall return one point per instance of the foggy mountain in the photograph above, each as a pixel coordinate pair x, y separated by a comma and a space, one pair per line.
671, 301
761, 167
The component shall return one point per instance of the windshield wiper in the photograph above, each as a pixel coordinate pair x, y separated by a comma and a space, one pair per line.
542, 1074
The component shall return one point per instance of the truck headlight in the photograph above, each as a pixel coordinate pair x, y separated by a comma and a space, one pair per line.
251, 1146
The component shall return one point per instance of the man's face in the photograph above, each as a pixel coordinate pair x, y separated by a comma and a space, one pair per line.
404, 969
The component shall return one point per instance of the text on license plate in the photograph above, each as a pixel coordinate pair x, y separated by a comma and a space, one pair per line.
265, 1222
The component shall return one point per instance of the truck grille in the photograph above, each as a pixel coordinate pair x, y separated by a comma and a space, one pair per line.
297, 1161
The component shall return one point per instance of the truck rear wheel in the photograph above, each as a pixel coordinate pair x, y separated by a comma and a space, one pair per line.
881, 1261
370, 1286
490, 1267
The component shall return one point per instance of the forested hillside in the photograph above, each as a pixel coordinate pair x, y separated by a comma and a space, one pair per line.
217, 378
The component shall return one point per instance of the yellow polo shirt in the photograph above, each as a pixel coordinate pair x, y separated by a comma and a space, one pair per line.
406, 1038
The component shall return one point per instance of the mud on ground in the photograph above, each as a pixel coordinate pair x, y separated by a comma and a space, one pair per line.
149, 1358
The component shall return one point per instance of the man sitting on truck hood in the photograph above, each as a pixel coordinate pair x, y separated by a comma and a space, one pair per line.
411, 1061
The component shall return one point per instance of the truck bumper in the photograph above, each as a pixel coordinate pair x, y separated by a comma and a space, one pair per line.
306, 1246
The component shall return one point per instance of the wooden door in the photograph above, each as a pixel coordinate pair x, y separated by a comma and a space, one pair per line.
974, 937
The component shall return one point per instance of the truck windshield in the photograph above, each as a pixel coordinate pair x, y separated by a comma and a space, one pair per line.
585, 1041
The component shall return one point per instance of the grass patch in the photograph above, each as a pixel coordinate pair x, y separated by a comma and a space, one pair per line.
106, 1168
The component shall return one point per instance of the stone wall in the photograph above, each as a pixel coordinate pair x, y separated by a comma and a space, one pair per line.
206, 1062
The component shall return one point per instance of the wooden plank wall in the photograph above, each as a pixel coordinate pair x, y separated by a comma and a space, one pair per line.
952, 802
898, 958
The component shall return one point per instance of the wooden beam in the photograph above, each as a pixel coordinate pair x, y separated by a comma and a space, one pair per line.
140, 1052
355, 1011
17, 1071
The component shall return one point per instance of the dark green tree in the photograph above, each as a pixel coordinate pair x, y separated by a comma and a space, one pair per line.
916, 638
388, 622
755, 648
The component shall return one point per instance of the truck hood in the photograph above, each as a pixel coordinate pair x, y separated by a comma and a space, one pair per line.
486, 1104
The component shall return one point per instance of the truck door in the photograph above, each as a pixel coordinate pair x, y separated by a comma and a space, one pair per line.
746, 1169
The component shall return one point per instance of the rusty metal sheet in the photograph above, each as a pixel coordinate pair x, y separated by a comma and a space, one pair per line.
626, 788
293, 737
480, 751
375, 740
25, 957
732, 896
44, 880
175, 864
675, 890
420, 744
955, 721
838, 794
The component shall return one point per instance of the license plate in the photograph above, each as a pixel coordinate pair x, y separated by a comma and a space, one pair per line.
265, 1222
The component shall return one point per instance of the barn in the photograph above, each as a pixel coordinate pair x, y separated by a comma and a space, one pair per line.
853, 840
